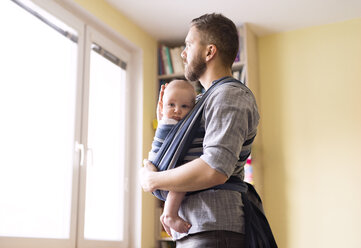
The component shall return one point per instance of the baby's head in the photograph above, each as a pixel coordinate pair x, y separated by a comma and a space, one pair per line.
178, 99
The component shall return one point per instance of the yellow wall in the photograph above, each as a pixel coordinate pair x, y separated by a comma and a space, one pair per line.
126, 28
310, 86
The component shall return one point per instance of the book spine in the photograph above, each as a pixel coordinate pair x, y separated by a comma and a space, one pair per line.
177, 61
169, 61
241, 44
165, 60
160, 62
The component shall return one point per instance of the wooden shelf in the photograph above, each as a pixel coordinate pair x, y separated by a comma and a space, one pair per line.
166, 239
171, 76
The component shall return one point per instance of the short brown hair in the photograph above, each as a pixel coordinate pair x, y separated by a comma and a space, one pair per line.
222, 32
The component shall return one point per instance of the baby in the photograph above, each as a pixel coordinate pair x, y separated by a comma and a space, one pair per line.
176, 100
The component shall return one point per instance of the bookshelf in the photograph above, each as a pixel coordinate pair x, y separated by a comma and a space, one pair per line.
246, 70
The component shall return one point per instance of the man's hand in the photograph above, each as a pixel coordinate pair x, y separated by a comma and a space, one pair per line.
192, 176
146, 176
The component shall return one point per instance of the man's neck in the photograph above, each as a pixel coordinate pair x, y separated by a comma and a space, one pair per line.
212, 74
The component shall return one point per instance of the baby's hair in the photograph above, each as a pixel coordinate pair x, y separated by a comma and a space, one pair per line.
182, 84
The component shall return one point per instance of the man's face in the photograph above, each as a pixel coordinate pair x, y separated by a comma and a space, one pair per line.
193, 56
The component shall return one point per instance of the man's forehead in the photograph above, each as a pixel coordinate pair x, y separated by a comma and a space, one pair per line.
192, 34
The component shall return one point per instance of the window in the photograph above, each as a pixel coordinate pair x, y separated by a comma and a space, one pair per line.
64, 131
104, 212
37, 102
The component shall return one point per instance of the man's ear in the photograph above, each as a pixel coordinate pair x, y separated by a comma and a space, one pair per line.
210, 52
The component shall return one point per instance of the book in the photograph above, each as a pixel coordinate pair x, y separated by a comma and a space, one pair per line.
161, 69
165, 60
243, 75
236, 74
168, 60
177, 61
240, 55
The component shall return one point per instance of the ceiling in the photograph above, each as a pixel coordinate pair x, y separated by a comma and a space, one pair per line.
168, 20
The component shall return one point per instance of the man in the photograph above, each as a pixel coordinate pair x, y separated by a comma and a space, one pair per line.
230, 120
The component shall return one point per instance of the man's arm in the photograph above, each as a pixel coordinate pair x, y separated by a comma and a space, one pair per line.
192, 176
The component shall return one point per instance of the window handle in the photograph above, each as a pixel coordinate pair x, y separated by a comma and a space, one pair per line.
80, 147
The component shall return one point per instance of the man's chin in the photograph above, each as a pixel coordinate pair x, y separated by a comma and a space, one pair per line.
190, 77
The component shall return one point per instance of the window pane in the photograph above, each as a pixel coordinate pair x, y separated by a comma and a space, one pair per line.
104, 211
37, 110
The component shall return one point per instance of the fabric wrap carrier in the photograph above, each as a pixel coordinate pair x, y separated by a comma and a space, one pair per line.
258, 231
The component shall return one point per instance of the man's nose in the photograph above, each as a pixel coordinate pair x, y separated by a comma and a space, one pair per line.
183, 54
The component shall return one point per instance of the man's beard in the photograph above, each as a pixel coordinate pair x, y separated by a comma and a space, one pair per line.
195, 69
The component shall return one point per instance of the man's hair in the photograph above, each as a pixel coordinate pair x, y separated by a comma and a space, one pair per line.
222, 32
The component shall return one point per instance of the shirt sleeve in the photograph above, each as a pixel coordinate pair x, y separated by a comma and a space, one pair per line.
230, 114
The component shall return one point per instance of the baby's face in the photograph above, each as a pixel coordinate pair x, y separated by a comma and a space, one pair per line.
177, 103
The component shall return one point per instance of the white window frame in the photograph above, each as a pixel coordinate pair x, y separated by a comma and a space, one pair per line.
93, 36
80, 20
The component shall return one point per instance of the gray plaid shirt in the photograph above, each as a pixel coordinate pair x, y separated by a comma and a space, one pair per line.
230, 118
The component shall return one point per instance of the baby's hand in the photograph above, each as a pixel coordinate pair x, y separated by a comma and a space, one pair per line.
160, 102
